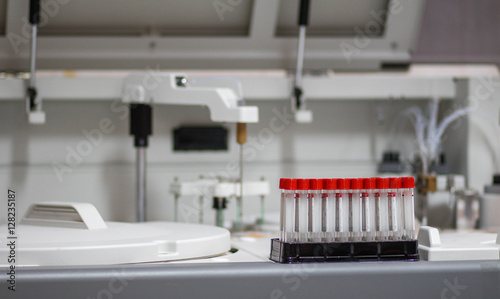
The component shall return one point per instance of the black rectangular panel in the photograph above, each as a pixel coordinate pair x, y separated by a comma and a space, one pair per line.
200, 138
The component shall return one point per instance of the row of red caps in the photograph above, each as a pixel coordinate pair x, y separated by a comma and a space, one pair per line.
347, 184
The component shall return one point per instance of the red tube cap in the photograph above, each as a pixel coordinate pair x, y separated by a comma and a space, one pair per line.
316, 184
369, 183
303, 184
348, 183
408, 182
382, 183
330, 184
286, 184
395, 183
342, 184
374, 183
356, 184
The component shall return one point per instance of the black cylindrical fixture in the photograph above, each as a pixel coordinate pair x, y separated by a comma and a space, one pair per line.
304, 13
219, 203
34, 12
298, 94
32, 96
140, 123
442, 159
390, 156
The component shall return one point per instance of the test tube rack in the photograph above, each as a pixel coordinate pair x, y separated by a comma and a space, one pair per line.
332, 220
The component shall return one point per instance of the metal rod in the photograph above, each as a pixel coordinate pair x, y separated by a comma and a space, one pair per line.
201, 209
33, 101
300, 56
141, 128
33, 56
176, 208
141, 184
262, 210
239, 199
219, 211
241, 170
219, 217
303, 20
241, 138
425, 209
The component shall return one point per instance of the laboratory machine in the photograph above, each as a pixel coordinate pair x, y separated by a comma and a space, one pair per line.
249, 149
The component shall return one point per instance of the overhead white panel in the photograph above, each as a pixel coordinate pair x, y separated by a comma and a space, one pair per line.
212, 34
149, 17
334, 18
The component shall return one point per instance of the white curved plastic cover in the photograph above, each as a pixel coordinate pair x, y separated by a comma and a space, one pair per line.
64, 214
116, 243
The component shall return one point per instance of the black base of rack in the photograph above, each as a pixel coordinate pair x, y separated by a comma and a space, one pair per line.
287, 253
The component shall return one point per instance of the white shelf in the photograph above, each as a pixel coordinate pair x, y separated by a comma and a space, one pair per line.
420, 82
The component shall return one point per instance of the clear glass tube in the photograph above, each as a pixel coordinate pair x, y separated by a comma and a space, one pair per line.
324, 216
372, 234
381, 209
330, 216
408, 200
282, 215
378, 216
301, 213
288, 214
354, 215
296, 213
392, 214
341, 233
314, 216
367, 217
396, 216
400, 214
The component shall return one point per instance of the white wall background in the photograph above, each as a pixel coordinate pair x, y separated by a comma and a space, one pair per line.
484, 132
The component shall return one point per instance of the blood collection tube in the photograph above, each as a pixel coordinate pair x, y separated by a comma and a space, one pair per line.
400, 210
287, 187
282, 210
328, 210
408, 204
341, 233
314, 210
394, 185
355, 209
367, 208
381, 224
347, 215
301, 210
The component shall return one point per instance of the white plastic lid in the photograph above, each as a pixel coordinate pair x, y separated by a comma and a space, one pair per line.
115, 243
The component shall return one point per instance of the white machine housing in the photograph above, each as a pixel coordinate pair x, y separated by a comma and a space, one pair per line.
62, 233
174, 89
